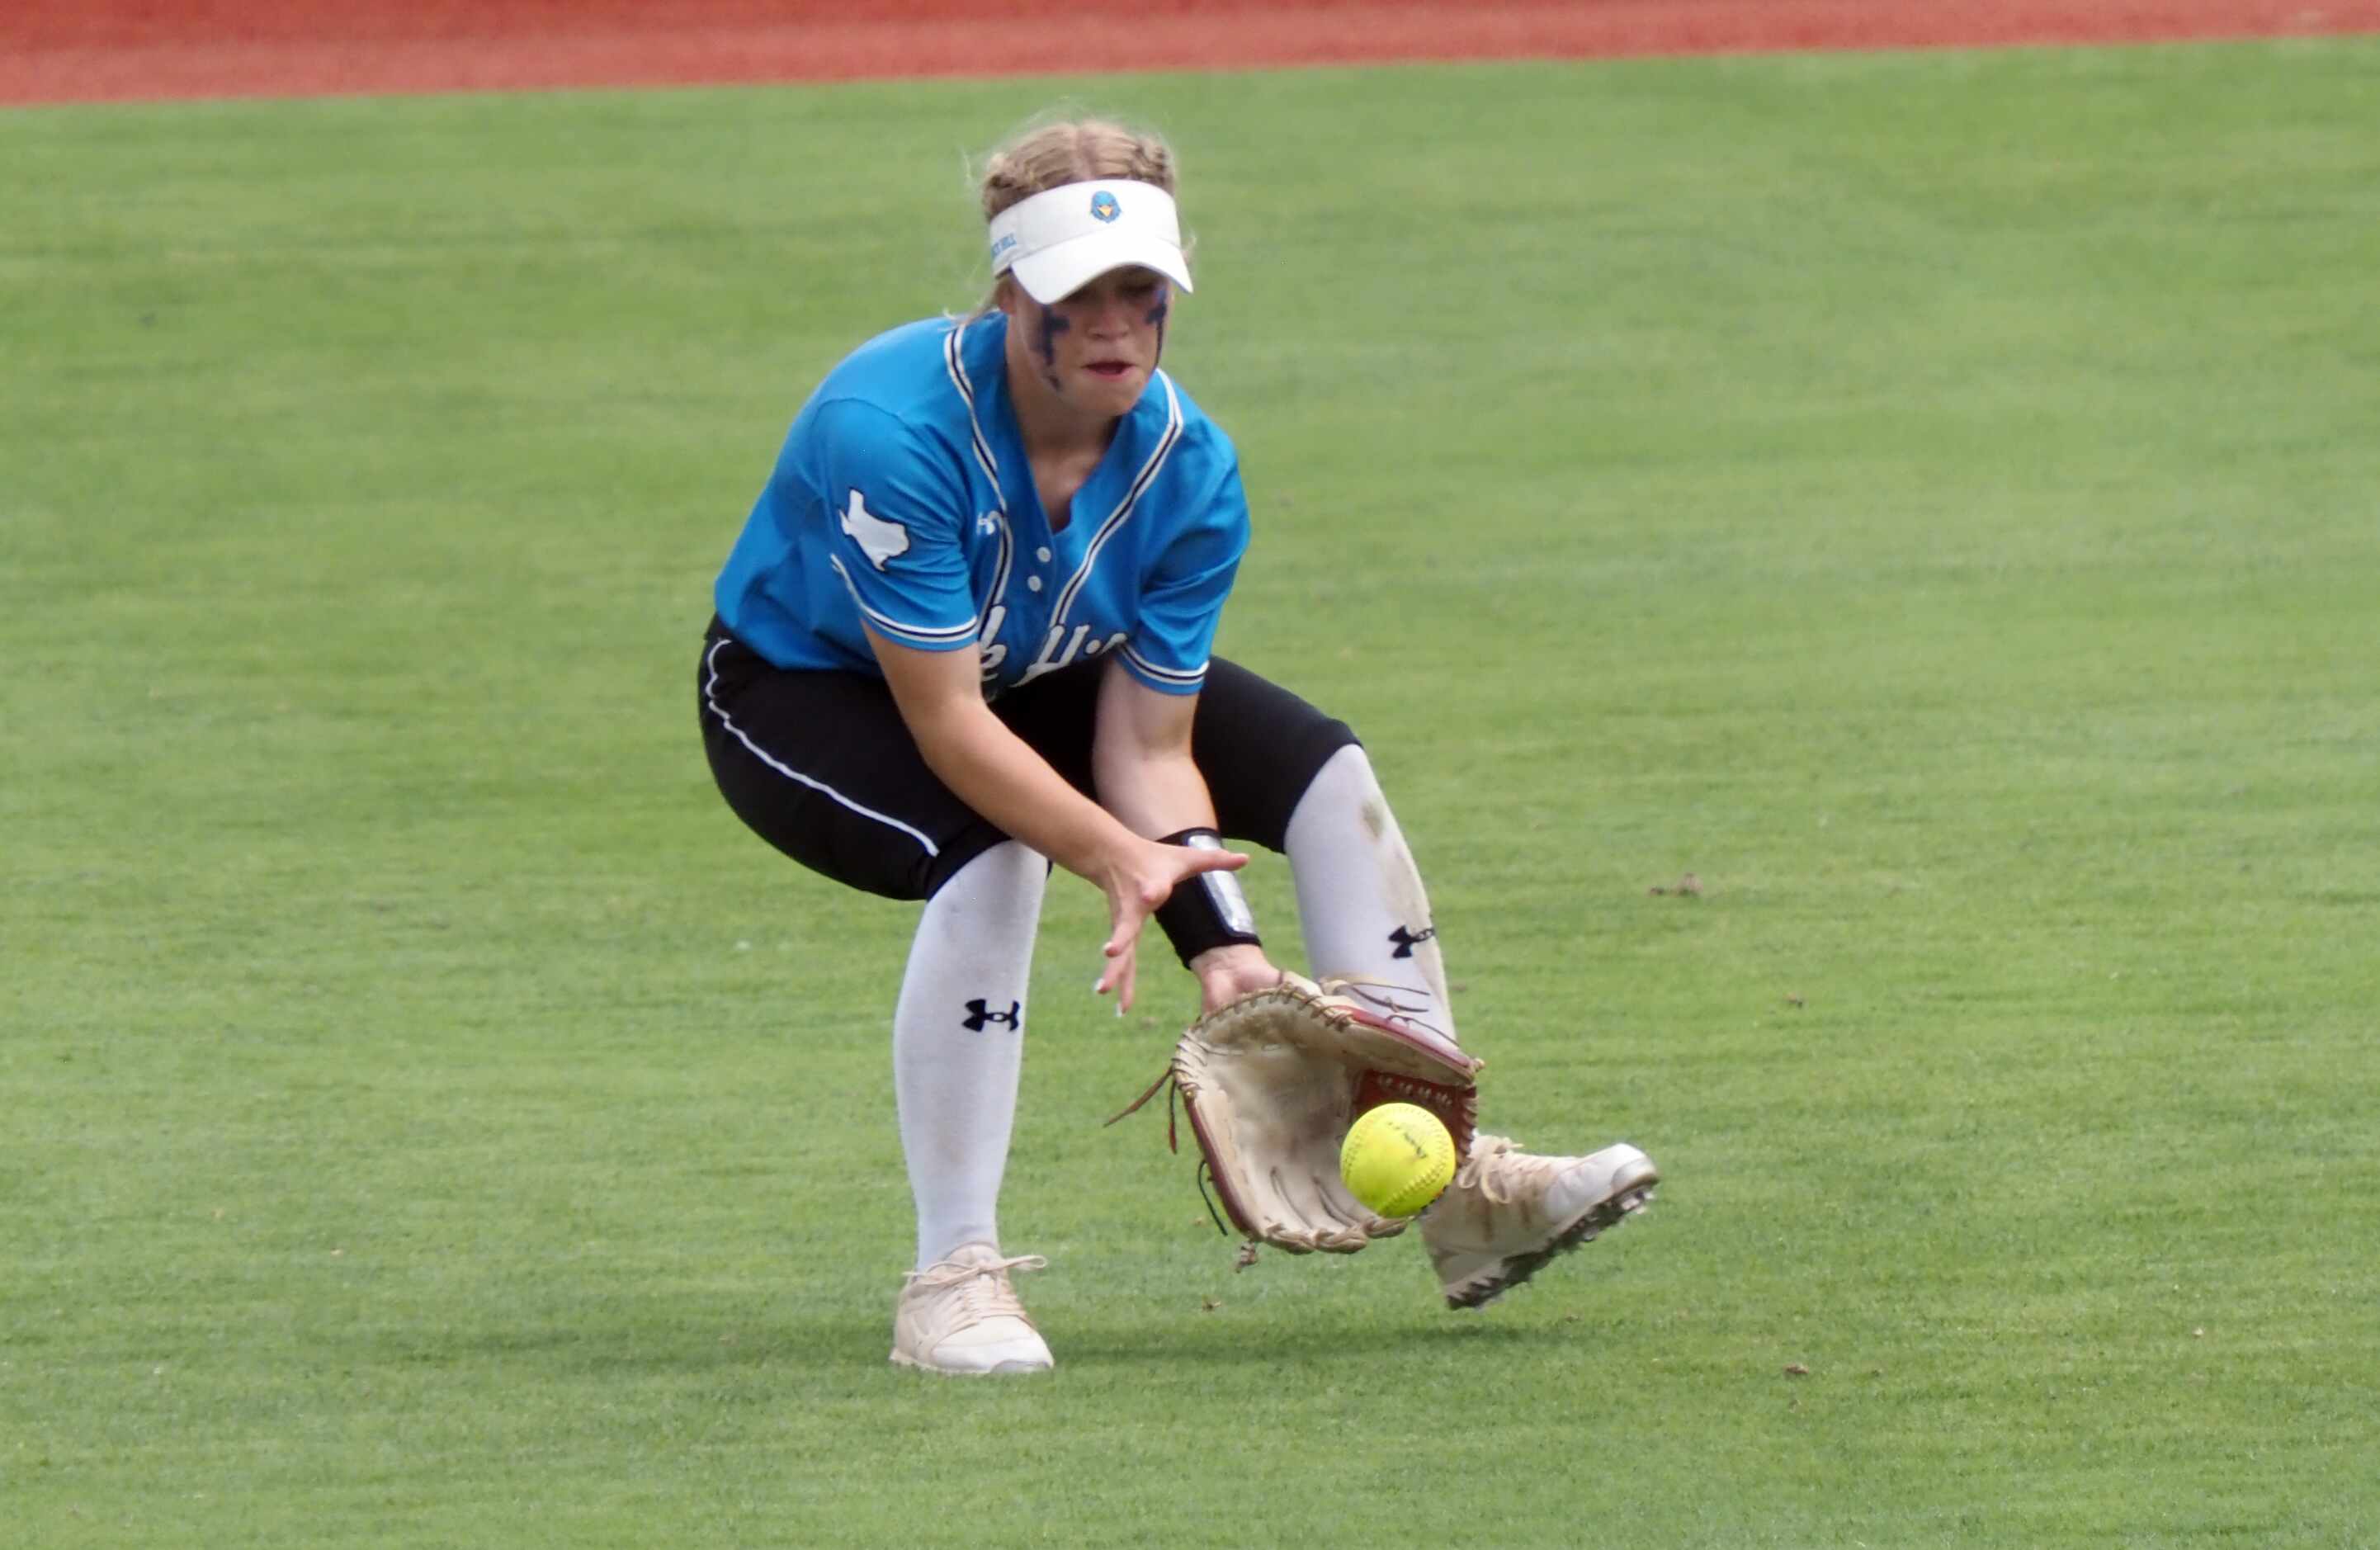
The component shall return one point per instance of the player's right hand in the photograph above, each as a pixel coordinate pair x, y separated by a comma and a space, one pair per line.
1142, 879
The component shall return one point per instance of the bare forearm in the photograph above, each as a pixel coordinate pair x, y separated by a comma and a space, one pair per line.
1141, 764
993, 771
1152, 795
998, 775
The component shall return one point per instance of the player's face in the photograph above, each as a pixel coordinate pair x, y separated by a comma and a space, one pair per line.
1097, 348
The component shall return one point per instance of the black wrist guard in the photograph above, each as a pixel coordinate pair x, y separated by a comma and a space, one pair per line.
1208, 910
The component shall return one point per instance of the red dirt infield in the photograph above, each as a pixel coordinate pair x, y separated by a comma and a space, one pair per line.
53, 51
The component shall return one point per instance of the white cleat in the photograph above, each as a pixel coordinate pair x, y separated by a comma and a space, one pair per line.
1508, 1213
960, 1317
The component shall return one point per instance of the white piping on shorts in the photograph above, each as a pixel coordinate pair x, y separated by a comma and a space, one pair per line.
711, 664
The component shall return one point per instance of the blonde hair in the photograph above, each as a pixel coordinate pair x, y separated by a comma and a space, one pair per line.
1050, 156
1052, 152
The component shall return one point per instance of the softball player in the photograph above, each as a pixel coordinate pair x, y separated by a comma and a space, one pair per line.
965, 635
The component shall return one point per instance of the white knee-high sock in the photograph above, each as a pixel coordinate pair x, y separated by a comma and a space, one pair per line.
1360, 902
958, 1044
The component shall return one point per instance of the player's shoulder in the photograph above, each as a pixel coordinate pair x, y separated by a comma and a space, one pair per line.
895, 390
903, 372
1196, 464
1167, 409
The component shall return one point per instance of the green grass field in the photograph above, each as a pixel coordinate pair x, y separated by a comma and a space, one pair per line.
1930, 498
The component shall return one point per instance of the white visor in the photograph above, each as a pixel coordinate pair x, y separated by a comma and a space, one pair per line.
1059, 240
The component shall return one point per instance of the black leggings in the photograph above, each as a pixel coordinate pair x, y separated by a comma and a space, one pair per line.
822, 765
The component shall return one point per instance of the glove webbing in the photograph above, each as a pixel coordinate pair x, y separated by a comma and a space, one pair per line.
1204, 1174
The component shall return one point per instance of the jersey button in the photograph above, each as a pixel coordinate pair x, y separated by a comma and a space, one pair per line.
1044, 554
1033, 582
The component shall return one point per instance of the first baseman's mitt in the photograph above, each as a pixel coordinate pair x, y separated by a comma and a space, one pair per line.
1273, 1082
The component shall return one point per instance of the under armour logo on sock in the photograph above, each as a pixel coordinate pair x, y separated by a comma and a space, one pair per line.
978, 1015
1407, 941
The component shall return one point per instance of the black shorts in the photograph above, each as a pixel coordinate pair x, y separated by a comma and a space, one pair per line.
822, 765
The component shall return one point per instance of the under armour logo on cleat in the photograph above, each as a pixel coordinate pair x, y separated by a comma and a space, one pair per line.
1407, 941
979, 1016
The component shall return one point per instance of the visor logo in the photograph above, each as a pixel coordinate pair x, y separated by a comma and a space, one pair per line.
1104, 206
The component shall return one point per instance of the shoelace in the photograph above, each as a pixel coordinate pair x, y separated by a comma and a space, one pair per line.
982, 1286
1499, 1170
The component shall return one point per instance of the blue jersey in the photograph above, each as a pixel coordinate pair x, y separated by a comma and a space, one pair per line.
902, 496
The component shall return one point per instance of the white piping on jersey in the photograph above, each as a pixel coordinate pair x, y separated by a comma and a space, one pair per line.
710, 662
957, 364
955, 361
999, 575
953, 633
1115, 520
1186, 677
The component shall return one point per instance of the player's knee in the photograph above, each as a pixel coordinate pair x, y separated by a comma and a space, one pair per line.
1007, 875
1260, 747
1345, 775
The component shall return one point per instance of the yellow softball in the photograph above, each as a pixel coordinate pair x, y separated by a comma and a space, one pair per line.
1397, 1158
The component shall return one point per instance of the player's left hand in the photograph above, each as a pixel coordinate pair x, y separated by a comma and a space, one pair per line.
1270, 1084
1228, 972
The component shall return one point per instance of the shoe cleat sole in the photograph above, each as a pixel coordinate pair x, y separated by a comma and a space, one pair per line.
997, 1369
1520, 1267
